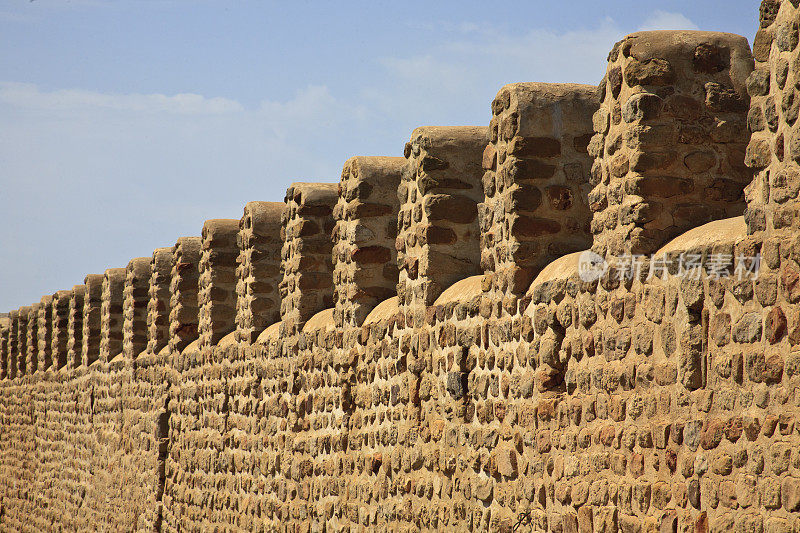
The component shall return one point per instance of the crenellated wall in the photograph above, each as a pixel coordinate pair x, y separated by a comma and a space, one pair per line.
307, 285
136, 297
449, 341
259, 271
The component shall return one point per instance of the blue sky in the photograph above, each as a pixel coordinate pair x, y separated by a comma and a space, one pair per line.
124, 125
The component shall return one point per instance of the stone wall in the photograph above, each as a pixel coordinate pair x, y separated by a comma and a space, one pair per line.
92, 318
184, 304
442, 358
158, 305
670, 138
438, 238
364, 257
60, 329
4, 347
111, 313
307, 285
75, 326
136, 297
217, 282
44, 330
32, 339
259, 271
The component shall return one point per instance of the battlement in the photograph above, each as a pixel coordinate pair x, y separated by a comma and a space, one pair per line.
584, 316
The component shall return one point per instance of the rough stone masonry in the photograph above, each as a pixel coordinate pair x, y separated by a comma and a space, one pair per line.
422, 347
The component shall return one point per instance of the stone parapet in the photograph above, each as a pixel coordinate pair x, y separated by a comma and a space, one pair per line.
136, 297
44, 331
92, 318
183, 314
671, 135
438, 239
158, 306
364, 256
5, 328
60, 330
32, 340
259, 271
536, 181
111, 314
77, 303
307, 285
217, 281
22, 317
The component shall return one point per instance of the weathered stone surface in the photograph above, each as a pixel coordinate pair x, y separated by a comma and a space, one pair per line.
452, 360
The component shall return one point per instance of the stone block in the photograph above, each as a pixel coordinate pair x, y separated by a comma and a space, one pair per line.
75, 326
306, 255
440, 188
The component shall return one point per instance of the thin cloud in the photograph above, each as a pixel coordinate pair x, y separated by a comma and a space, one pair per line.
139, 170
665, 20
29, 96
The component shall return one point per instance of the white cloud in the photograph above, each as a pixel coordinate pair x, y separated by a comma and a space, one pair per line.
665, 20
29, 96
313, 106
117, 175
465, 71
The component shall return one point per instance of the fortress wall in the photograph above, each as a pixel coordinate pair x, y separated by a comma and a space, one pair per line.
438, 239
259, 273
536, 181
111, 314
22, 339
322, 376
438, 244
158, 306
60, 335
92, 319
32, 339
217, 281
4, 355
44, 330
13, 343
663, 402
535, 209
18, 452
75, 326
364, 255
366, 453
198, 415
146, 381
774, 151
307, 285
136, 297
147, 424
671, 136
675, 378
183, 314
